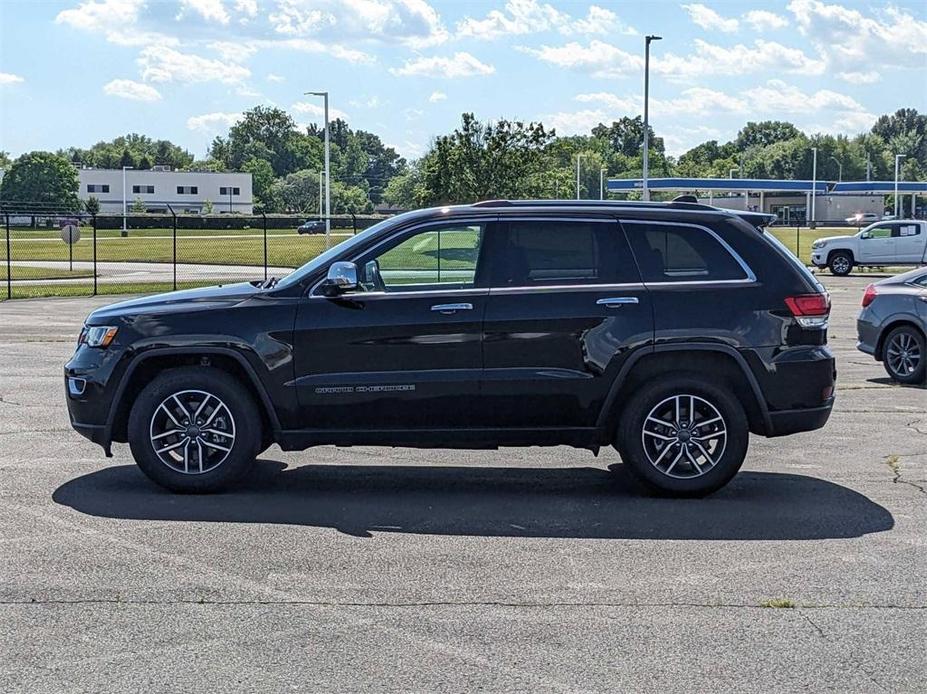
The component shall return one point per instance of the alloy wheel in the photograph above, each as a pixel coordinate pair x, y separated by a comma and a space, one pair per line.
192, 432
903, 354
684, 436
841, 264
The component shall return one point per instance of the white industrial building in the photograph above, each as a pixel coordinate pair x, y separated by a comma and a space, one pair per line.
185, 191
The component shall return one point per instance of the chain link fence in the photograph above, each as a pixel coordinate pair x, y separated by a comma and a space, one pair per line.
64, 254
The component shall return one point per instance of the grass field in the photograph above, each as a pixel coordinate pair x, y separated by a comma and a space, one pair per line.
43, 273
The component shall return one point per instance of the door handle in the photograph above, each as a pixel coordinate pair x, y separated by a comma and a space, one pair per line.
617, 301
448, 309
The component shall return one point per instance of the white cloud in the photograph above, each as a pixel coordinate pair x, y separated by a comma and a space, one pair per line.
575, 122
10, 78
598, 58
351, 55
437, 96
117, 20
712, 59
692, 101
210, 10
458, 65
234, 51
271, 77
852, 42
318, 111
412, 22
521, 17
135, 91
865, 77
213, 123
707, 18
761, 20
780, 97
371, 102
163, 64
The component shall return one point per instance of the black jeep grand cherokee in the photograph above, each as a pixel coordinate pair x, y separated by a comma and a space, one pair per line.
669, 330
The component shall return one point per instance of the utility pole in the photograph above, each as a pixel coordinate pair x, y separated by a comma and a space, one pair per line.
814, 183
602, 183
328, 181
898, 158
124, 230
645, 189
839, 169
578, 157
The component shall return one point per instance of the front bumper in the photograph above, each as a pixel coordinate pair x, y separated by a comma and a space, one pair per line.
818, 258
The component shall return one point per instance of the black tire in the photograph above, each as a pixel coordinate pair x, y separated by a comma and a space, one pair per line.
630, 439
840, 263
240, 418
910, 340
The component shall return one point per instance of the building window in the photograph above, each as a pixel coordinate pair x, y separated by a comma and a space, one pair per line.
187, 190
143, 189
97, 187
229, 191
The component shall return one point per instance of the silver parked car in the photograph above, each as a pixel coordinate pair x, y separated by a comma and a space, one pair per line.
892, 325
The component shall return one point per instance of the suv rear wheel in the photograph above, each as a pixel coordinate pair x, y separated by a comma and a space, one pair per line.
683, 436
194, 429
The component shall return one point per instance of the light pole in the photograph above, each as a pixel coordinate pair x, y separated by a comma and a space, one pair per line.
898, 158
814, 183
328, 182
230, 199
645, 190
124, 230
839, 169
602, 183
730, 174
320, 193
578, 157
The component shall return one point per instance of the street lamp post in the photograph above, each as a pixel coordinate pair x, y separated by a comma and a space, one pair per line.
730, 174
839, 169
230, 199
814, 182
320, 193
602, 183
898, 158
645, 190
328, 182
578, 157
124, 169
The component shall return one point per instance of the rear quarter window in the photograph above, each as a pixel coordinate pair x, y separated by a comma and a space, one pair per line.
669, 252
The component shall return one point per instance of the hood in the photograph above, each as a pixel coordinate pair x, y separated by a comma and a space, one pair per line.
828, 239
200, 299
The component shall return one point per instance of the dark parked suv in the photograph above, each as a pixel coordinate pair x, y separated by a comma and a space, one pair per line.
669, 330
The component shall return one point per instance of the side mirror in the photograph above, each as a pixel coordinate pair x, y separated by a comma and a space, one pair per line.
865, 235
342, 278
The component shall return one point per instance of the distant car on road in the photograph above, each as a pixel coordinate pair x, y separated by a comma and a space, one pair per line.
311, 226
893, 324
896, 242
861, 218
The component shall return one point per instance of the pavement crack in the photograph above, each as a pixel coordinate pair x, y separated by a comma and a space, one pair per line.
4, 401
894, 463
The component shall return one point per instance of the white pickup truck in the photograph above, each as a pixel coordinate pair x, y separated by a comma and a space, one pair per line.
895, 242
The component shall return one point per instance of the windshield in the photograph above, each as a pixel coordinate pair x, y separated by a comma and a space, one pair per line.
325, 258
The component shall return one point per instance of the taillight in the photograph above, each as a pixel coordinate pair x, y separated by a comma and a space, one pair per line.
870, 295
810, 310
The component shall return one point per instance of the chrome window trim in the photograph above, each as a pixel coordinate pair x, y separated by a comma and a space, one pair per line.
363, 296
748, 271
544, 289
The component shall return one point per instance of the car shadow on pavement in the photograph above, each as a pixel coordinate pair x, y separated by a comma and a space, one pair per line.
574, 502
885, 381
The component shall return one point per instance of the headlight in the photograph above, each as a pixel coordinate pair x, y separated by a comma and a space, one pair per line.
818, 244
97, 335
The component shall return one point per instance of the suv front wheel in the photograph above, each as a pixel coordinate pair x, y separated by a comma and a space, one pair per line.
194, 429
683, 436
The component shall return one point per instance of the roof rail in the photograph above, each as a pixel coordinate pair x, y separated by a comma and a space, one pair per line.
493, 203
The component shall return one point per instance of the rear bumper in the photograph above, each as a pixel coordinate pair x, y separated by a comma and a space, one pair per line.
785, 422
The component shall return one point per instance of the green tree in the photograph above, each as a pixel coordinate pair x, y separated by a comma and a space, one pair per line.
262, 181
298, 192
268, 133
764, 133
5, 160
404, 190
138, 206
40, 180
479, 161
92, 205
207, 206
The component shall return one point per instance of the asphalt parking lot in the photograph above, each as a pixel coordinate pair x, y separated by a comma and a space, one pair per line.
522, 569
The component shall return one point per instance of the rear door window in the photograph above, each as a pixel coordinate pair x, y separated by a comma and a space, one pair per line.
681, 253
560, 252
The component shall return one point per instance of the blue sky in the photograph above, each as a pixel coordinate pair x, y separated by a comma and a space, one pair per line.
74, 73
